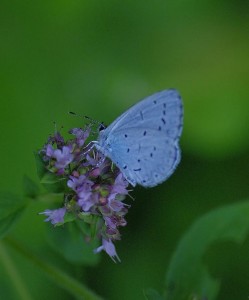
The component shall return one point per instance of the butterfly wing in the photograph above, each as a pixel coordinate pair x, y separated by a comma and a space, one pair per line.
143, 142
159, 104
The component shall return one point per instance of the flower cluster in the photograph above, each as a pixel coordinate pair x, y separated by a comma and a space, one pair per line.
93, 187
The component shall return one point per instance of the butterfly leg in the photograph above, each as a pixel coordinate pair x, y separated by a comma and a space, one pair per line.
88, 148
101, 161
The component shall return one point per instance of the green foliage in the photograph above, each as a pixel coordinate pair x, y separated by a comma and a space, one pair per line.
151, 294
11, 208
40, 166
50, 181
188, 277
53, 183
98, 58
31, 189
68, 283
70, 241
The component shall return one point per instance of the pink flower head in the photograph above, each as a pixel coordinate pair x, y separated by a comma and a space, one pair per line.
120, 185
94, 190
81, 182
81, 135
54, 216
63, 157
109, 248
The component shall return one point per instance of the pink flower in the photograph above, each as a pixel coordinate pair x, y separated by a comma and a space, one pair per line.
109, 248
54, 216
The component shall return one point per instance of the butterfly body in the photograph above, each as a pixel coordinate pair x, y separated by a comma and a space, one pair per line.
143, 141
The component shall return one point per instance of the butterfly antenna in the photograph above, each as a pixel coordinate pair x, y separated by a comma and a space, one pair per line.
100, 125
84, 117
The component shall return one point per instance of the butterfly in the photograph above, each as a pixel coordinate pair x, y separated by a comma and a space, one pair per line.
144, 141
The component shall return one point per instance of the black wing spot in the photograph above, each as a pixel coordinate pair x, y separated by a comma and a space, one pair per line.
151, 155
159, 128
164, 112
128, 150
154, 148
125, 135
138, 160
164, 122
156, 175
145, 132
164, 105
124, 167
155, 102
144, 181
136, 170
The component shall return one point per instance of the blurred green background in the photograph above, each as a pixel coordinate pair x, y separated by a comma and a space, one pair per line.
97, 58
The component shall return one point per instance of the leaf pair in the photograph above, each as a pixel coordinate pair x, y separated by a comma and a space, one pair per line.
11, 208
188, 277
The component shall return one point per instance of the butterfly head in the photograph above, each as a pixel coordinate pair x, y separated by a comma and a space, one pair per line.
101, 126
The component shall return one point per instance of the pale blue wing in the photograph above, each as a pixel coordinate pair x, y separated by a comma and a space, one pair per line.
144, 159
159, 106
143, 142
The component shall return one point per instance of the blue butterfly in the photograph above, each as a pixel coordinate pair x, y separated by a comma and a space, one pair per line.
144, 141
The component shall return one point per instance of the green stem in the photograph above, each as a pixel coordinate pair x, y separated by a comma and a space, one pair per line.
15, 277
77, 289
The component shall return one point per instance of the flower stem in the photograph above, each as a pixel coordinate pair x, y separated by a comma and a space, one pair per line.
14, 276
77, 289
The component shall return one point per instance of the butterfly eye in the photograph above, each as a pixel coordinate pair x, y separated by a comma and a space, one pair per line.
101, 127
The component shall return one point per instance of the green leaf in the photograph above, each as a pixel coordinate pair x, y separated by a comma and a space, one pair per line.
187, 276
151, 294
69, 217
53, 183
90, 219
31, 189
76, 288
40, 166
11, 208
69, 240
